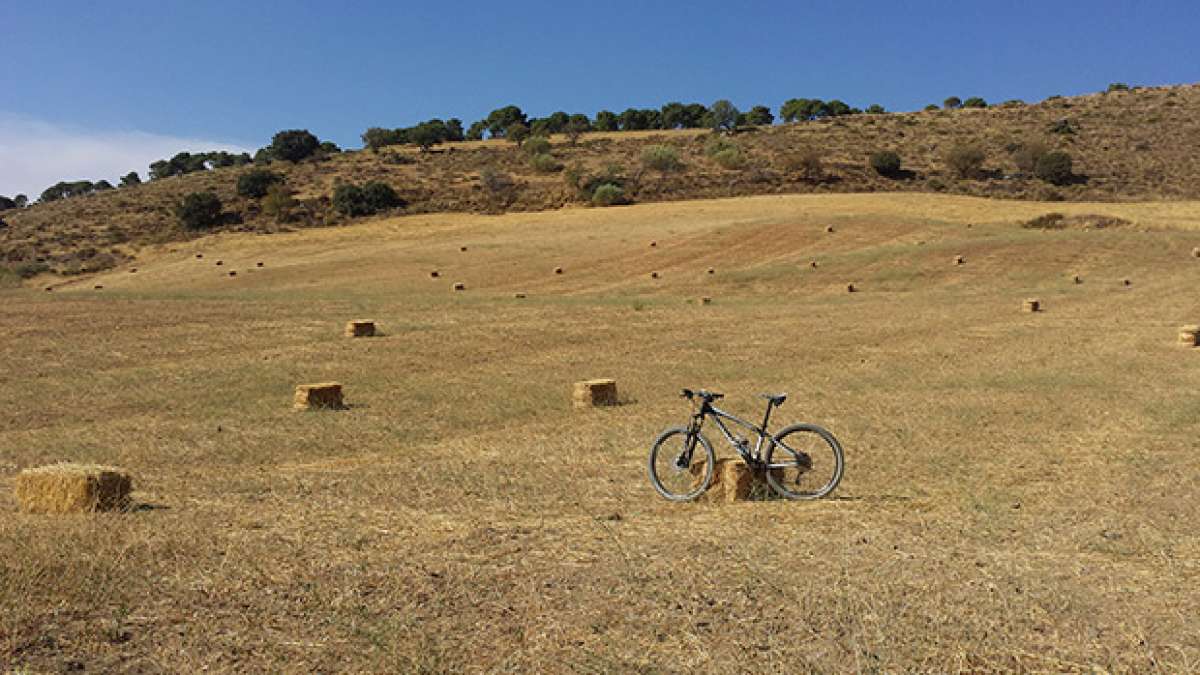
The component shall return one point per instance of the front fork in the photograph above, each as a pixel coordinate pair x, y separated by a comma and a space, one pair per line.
684, 459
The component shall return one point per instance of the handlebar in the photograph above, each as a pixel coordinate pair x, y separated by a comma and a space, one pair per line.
705, 395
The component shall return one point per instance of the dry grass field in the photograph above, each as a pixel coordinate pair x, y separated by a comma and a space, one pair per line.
1021, 493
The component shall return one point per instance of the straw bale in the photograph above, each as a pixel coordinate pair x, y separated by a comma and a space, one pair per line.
591, 393
72, 488
258, 264
654, 275
519, 296
318, 396
732, 481
1189, 336
558, 270
1077, 279
958, 260
460, 286
851, 288
1196, 252
1031, 305
434, 274
360, 328
829, 228
712, 270
706, 300
220, 262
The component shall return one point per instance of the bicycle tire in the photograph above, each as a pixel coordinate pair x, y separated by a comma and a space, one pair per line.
777, 472
676, 473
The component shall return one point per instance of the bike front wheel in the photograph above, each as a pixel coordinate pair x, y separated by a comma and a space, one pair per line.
681, 464
804, 462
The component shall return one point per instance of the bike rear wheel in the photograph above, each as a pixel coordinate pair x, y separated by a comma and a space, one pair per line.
804, 462
681, 464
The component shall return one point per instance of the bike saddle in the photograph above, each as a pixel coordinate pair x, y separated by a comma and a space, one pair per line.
775, 399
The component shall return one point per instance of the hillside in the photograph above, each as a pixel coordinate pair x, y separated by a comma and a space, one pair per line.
1021, 489
1134, 145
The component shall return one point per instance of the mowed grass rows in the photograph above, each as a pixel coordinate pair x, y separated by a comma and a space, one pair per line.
1019, 491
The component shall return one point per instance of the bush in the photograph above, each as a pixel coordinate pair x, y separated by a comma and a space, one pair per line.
952, 103
499, 185
199, 210
293, 145
354, 201
730, 158
886, 163
6, 203
1062, 127
545, 163
718, 144
538, 145
1117, 86
662, 158
1054, 168
974, 102
875, 109
517, 133
278, 203
608, 195
130, 179
807, 163
256, 182
1050, 221
28, 270
1027, 154
965, 160
931, 107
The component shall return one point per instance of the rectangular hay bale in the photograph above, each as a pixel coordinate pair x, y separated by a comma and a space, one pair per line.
72, 488
360, 328
591, 393
318, 396
1189, 336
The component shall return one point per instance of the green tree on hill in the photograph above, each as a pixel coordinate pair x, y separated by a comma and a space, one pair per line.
606, 120
724, 114
294, 145
130, 179
760, 116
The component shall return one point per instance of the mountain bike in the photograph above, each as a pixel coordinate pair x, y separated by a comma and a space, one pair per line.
802, 461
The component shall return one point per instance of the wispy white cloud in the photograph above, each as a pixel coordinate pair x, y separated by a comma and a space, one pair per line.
35, 154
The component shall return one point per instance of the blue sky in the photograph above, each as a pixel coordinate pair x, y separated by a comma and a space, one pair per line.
222, 73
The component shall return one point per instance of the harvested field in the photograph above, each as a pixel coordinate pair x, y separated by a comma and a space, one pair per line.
1021, 491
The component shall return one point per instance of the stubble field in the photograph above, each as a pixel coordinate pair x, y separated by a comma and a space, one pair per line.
1021, 490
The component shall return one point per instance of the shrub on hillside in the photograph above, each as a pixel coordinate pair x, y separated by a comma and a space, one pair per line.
807, 163
952, 103
609, 195
662, 158
278, 204
886, 163
517, 133
354, 201
965, 161
730, 158
537, 145
1054, 168
875, 109
199, 210
1027, 155
1063, 127
255, 183
1117, 86
544, 163
6, 203
500, 187
723, 115
974, 102
931, 107
130, 179
293, 145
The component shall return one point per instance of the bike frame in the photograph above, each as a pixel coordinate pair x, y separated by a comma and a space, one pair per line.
707, 410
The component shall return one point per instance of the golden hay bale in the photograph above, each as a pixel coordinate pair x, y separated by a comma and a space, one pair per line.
462, 248
1126, 282
732, 481
654, 275
325, 395
519, 296
829, 228
1189, 336
558, 270
233, 273
220, 262
434, 274
72, 488
712, 270
1075, 278
958, 260
360, 328
1031, 305
98, 287
592, 393
706, 300
1196, 252
653, 244
133, 270
258, 264
460, 286
812, 264
851, 288
199, 256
